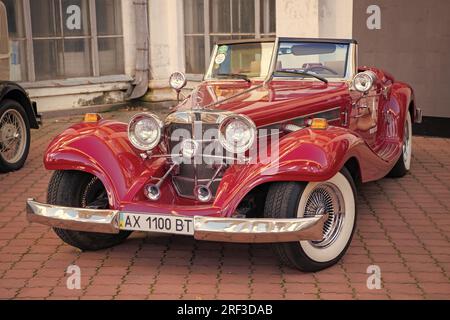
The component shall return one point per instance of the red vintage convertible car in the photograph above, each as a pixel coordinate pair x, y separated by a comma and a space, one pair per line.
269, 148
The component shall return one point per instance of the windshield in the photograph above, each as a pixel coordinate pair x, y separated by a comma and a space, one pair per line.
243, 60
328, 60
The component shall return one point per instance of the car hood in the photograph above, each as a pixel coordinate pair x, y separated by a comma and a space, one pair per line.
269, 104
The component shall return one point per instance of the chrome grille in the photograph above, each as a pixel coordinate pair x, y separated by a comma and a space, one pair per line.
189, 176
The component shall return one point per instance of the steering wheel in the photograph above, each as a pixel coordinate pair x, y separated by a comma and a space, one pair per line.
322, 68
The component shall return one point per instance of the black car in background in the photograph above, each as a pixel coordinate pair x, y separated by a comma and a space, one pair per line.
18, 114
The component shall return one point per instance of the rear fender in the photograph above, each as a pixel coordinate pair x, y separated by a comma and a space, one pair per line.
393, 117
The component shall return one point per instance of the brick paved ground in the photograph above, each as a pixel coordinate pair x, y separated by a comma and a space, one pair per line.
404, 228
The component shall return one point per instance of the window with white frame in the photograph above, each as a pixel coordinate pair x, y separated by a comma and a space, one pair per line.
208, 21
60, 39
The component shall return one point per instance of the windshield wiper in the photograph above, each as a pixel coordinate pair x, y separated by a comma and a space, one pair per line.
306, 74
234, 75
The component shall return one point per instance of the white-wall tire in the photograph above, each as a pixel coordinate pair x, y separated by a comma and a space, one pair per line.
403, 164
293, 199
407, 142
328, 252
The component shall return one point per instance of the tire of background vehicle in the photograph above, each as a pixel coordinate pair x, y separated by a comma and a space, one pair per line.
403, 164
336, 196
15, 108
78, 189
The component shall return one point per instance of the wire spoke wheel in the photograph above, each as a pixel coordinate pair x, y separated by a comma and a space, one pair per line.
13, 136
94, 196
336, 198
326, 198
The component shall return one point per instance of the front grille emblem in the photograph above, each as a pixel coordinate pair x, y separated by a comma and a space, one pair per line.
189, 148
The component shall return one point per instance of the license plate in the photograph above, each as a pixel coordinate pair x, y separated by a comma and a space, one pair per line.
156, 223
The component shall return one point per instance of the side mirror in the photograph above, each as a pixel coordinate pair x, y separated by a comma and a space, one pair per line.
178, 81
364, 81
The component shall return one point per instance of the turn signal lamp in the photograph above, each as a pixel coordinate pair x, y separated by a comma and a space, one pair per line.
92, 117
319, 124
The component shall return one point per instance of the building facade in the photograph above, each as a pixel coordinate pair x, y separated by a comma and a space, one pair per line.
69, 53
79, 53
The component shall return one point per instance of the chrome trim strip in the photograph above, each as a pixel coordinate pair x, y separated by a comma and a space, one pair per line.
305, 116
79, 219
203, 155
189, 179
205, 228
273, 63
352, 62
258, 230
187, 117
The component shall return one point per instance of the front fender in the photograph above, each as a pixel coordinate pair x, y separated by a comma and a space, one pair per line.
305, 155
101, 149
13, 91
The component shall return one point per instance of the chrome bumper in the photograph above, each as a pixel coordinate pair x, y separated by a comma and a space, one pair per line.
39, 120
418, 116
205, 228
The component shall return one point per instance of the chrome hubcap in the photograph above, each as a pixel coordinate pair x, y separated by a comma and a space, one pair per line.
326, 199
13, 135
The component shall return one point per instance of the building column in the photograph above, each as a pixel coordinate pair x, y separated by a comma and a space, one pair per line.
166, 47
298, 18
314, 18
336, 19
129, 36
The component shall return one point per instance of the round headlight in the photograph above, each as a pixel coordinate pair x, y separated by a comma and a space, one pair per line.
364, 81
144, 131
237, 133
177, 80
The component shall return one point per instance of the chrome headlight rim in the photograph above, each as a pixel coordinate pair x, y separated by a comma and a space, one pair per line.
132, 134
370, 79
182, 80
222, 137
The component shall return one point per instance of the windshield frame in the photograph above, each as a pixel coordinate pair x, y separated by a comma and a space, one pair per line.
350, 70
351, 61
237, 42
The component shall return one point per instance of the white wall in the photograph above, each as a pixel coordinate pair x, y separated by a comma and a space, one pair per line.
129, 34
336, 19
314, 18
297, 18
